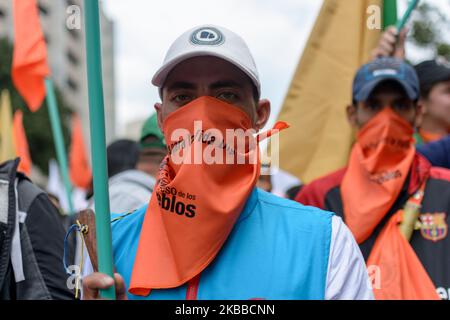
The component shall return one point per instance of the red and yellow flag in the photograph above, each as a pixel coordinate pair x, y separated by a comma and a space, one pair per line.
30, 67
80, 169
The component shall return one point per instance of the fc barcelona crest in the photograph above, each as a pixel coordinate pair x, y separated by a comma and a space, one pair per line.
433, 226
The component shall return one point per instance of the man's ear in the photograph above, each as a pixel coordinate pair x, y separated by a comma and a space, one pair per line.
158, 108
351, 115
420, 111
262, 114
422, 102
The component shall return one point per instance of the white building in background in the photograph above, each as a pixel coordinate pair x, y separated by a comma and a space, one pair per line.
67, 58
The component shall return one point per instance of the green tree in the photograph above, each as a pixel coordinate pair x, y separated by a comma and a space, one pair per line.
37, 125
429, 28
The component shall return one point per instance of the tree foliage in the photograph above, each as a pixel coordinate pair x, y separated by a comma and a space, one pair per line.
430, 27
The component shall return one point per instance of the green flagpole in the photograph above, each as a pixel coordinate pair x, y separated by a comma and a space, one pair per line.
411, 6
98, 143
59, 141
389, 13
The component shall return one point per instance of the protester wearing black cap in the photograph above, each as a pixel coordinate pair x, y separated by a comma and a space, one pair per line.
434, 77
384, 177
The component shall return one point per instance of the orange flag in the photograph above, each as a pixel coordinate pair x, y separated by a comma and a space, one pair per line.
401, 274
29, 68
80, 170
20, 138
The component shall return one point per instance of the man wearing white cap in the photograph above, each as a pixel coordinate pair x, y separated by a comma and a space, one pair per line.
208, 232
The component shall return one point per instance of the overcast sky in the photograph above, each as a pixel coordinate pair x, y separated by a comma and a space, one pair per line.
275, 30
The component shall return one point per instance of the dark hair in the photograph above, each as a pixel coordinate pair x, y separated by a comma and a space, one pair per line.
256, 96
122, 155
426, 89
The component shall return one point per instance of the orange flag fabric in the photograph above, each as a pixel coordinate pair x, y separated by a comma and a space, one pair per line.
20, 138
80, 169
29, 68
402, 275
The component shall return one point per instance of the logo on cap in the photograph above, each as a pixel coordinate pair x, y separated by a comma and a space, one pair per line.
384, 72
385, 68
207, 36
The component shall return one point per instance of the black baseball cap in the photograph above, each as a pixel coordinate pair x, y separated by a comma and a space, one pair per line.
431, 72
382, 69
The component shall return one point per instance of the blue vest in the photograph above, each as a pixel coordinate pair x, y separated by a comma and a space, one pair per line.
278, 249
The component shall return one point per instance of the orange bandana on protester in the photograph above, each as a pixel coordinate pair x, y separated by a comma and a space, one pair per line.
379, 164
401, 275
194, 206
378, 167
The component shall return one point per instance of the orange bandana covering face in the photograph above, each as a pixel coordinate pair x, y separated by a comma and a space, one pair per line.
378, 166
194, 206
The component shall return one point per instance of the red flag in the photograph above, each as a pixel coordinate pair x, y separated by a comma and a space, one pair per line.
80, 170
20, 138
29, 67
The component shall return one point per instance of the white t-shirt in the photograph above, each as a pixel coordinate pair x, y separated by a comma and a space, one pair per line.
347, 277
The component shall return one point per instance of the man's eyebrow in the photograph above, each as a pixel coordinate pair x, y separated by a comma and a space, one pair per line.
225, 83
181, 85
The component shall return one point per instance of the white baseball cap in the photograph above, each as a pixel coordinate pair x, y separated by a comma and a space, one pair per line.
209, 40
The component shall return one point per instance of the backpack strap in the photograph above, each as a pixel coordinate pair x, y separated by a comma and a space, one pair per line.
28, 192
8, 171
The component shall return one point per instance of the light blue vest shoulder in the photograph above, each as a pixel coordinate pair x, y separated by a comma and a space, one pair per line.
278, 249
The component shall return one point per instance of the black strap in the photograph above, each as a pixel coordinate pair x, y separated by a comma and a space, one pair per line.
8, 171
28, 193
